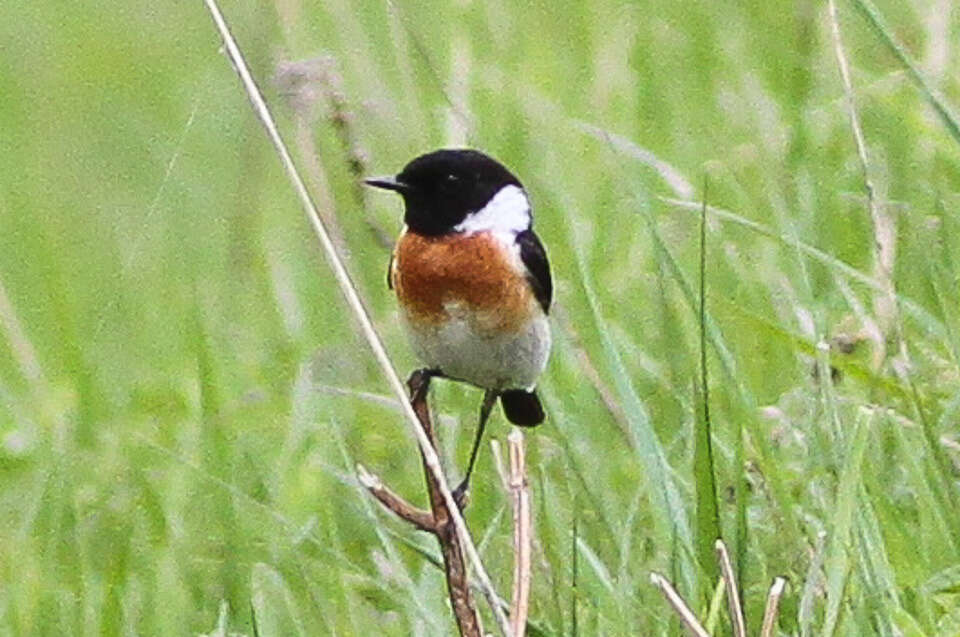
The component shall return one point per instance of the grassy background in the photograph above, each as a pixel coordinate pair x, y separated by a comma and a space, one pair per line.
183, 395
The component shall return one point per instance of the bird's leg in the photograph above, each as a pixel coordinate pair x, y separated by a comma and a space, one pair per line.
489, 400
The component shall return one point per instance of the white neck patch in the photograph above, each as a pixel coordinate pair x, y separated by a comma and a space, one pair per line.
507, 212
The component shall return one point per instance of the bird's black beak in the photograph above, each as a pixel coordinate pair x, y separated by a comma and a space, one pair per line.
387, 183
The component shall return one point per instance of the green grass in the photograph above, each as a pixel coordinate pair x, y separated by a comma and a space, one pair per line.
184, 396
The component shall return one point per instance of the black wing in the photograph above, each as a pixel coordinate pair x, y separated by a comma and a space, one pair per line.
538, 268
390, 273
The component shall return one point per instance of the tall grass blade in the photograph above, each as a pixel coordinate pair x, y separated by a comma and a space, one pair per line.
906, 624
879, 602
596, 564
911, 307
705, 487
935, 532
874, 551
574, 574
840, 548
944, 481
728, 365
668, 506
943, 110
811, 587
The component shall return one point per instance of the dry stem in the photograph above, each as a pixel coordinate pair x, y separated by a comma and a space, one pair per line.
522, 534
436, 521
693, 624
430, 458
773, 607
733, 592
687, 616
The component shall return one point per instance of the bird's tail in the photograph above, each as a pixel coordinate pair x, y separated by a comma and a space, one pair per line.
522, 407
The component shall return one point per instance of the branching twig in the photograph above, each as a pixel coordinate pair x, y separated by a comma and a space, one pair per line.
430, 458
522, 534
422, 520
436, 521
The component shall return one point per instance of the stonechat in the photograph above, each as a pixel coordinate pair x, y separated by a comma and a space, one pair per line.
472, 280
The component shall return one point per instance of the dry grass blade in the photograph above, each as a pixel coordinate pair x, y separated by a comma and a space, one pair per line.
522, 534
673, 598
773, 607
733, 592
431, 460
728, 583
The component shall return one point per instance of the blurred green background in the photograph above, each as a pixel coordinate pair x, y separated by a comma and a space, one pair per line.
184, 395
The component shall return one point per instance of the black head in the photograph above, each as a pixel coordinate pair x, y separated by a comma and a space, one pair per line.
441, 188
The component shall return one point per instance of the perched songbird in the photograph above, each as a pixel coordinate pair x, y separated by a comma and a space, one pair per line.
473, 280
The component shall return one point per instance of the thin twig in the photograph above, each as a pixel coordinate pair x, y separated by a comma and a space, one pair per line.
733, 592
773, 607
451, 546
673, 598
430, 458
422, 520
522, 534
437, 521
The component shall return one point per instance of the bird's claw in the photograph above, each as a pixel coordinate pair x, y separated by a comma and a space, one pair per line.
461, 495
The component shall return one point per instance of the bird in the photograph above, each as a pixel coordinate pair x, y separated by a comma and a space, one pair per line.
472, 281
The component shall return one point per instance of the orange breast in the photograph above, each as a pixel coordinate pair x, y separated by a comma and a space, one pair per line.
435, 277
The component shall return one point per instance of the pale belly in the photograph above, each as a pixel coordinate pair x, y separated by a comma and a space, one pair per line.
461, 349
